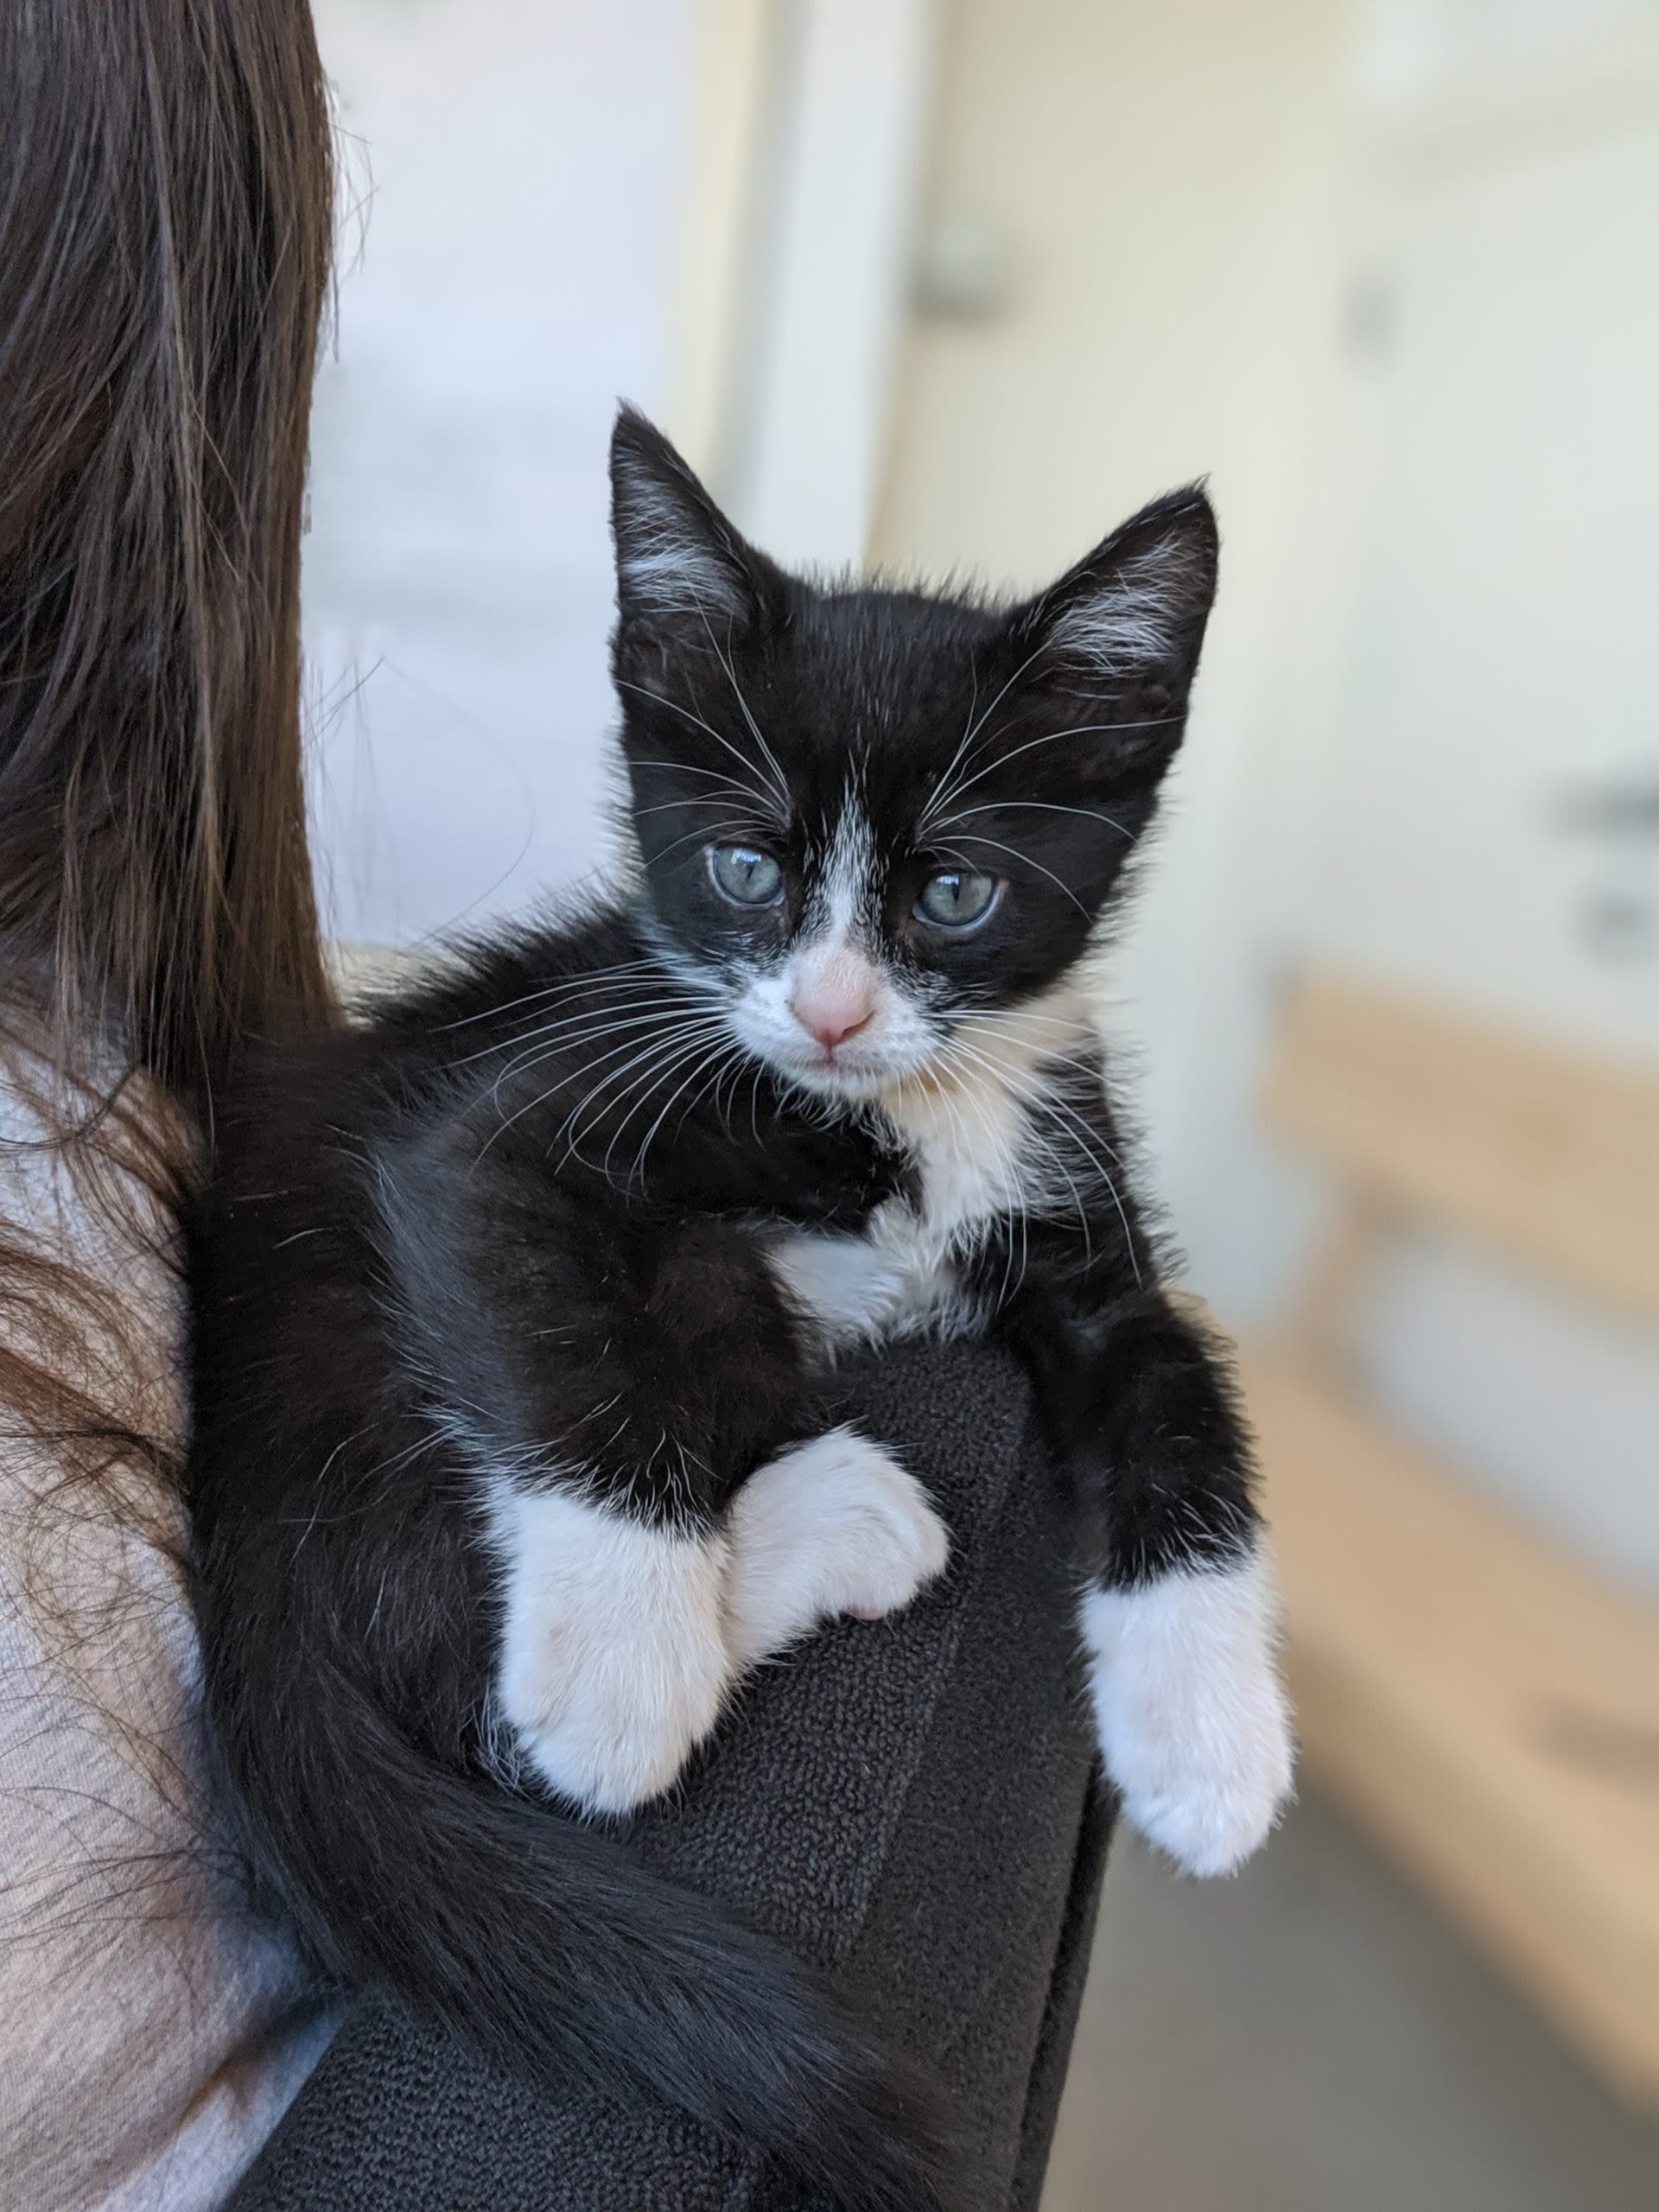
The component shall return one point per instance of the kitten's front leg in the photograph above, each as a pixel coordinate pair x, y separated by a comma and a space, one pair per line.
613, 1661
678, 1363
620, 1638
1192, 1718
647, 1361
1180, 1617
832, 1526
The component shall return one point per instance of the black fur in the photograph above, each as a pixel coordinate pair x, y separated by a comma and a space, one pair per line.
378, 1255
513, 1222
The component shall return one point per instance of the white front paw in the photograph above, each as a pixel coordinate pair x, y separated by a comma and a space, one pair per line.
832, 1526
1194, 1726
609, 1733
613, 1663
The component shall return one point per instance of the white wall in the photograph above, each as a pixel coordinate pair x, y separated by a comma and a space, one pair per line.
1386, 273
525, 160
1498, 667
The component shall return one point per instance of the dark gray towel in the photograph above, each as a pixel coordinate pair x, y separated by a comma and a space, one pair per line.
907, 1802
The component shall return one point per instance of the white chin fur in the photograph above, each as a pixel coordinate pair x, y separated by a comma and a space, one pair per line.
838, 1081
1194, 1726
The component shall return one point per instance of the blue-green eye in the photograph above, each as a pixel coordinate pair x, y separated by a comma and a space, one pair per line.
748, 878
956, 897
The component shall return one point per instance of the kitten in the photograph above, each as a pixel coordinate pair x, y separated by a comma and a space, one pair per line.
513, 1310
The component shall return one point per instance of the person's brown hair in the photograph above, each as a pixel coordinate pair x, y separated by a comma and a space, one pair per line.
166, 218
166, 221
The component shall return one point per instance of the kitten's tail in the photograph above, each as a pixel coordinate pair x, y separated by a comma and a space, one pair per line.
549, 1948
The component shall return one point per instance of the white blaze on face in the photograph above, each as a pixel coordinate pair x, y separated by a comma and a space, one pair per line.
832, 985
833, 1014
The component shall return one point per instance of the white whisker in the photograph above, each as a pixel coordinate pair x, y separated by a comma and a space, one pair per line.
978, 837
1031, 745
772, 796
770, 756
1036, 806
977, 726
550, 990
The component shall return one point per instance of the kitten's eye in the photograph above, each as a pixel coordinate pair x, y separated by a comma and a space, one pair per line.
748, 878
956, 897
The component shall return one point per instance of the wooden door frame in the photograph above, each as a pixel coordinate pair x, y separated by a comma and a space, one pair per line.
806, 171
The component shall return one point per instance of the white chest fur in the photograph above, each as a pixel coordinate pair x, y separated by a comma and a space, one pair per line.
976, 1135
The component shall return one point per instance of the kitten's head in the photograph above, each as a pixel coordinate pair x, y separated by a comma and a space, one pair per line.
866, 816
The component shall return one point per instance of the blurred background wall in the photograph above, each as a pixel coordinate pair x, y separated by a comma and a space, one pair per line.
511, 171
949, 286
1386, 275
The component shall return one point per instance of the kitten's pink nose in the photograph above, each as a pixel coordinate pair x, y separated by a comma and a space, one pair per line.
834, 1008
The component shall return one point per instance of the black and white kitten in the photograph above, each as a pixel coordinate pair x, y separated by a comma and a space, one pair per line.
512, 1310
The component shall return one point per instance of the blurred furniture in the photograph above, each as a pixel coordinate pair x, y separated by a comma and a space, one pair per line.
912, 1804
1488, 1707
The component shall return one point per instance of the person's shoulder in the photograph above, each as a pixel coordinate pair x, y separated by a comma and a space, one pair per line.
92, 1157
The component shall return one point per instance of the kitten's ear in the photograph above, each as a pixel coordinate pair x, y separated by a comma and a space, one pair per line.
1131, 615
681, 567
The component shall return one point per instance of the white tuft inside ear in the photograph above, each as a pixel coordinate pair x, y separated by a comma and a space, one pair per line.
1132, 618
665, 562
